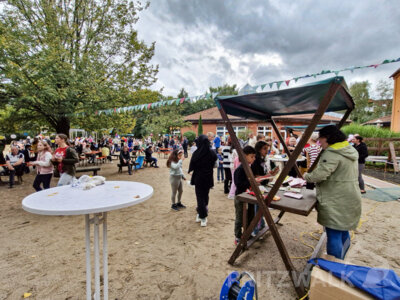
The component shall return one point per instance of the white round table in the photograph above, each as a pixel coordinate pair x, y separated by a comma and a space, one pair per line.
283, 159
67, 200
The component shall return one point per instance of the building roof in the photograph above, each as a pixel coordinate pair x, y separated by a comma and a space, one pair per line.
385, 119
213, 115
395, 73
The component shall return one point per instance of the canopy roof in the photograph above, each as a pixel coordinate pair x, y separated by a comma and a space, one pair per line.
298, 100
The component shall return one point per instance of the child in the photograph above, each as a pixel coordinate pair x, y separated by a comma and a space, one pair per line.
220, 169
44, 167
242, 184
174, 162
152, 160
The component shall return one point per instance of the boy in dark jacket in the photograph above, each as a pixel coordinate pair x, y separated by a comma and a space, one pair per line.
242, 184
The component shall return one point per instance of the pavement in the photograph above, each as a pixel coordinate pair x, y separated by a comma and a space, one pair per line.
377, 183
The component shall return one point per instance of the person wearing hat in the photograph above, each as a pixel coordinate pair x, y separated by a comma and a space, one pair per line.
338, 194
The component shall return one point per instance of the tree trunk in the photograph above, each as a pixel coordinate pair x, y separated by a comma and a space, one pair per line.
63, 125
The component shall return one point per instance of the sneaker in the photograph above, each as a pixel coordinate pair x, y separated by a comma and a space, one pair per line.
203, 222
156, 166
180, 205
198, 220
230, 197
237, 241
174, 207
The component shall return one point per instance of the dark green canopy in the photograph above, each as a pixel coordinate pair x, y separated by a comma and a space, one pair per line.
299, 100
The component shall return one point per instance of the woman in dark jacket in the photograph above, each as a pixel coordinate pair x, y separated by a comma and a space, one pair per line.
202, 165
362, 155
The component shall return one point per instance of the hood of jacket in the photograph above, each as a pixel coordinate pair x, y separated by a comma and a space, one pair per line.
344, 149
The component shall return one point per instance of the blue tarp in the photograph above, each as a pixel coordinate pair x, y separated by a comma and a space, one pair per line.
380, 283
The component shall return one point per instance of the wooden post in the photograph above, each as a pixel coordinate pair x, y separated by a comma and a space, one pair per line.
394, 158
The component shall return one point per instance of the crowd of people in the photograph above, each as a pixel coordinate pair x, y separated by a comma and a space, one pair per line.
338, 170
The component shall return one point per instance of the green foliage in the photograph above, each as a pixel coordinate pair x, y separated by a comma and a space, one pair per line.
225, 90
183, 94
200, 105
360, 93
200, 127
244, 134
190, 135
384, 90
369, 131
62, 57
164, 120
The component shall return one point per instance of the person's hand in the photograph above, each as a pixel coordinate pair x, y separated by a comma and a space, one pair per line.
11, 168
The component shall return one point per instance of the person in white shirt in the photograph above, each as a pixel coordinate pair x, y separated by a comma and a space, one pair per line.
44, 166
252, 140
15, 163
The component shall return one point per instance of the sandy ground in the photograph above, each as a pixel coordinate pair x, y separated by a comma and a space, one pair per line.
156, 253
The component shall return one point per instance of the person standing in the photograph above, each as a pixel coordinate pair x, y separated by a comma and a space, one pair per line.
44, 167
202, 166
64, 159
252, 140
362, 150
226, 153
339, 199
217, 143
220, 168
174, 163
185, 145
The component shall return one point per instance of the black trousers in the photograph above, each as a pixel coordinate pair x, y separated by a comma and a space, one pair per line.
18, 170
202, 201
42, 178
228, 180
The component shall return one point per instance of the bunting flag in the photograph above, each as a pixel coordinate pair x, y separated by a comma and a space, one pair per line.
324, 72
148, 106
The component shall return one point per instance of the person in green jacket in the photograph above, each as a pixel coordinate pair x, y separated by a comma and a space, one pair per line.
338, 194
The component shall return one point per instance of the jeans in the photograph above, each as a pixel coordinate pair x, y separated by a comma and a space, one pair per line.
360, 179
42, 178
261, 223
65, 179
220, 173
18, 170
152, 161
338, 242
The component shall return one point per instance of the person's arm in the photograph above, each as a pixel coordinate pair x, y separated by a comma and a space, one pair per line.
325, 167
20, 160
176, 165
46, 163
73, 159
363, 151
8, 163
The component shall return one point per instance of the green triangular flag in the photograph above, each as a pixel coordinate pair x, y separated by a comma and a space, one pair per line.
270, 85
263, 86
278, 84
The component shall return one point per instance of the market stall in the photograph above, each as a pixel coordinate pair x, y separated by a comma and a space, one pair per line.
317, 98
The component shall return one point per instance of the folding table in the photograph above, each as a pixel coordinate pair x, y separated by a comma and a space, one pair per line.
316, 98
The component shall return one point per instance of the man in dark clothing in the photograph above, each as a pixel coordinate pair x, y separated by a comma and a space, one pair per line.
202, 165
166, 142
362, 150
242, 184
152, 160
125, 158
185, 144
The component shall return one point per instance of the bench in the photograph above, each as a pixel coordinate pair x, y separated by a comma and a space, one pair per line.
93, 169
133, 164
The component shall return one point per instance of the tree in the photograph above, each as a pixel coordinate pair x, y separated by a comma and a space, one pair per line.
225, 90
183, 94
384, 91
62, 57
362, 111
190, 135
200, 127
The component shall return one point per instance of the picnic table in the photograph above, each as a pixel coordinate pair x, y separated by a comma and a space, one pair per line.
165, 151
67, 201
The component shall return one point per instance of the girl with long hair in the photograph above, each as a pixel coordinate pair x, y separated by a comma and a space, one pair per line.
44, 167
174, 163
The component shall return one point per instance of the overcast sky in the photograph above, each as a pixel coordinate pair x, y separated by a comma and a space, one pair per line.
207, 43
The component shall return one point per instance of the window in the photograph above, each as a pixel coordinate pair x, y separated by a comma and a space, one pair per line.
176, 132
264, 130
222, 131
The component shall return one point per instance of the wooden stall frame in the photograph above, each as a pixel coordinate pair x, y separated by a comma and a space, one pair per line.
299, 285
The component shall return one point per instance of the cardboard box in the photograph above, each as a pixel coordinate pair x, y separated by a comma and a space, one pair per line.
326, 286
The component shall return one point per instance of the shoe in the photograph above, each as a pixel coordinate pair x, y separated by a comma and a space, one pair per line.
198, 220
231, 197
180, 205
156, 166
363, 192
11, 187
237, 241
174, 207
203, 222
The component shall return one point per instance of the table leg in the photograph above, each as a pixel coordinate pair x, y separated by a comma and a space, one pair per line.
105, 257
96, 258
88, 266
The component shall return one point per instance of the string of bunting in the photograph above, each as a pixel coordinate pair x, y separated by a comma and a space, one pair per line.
148, 106
323, 72
177, 101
